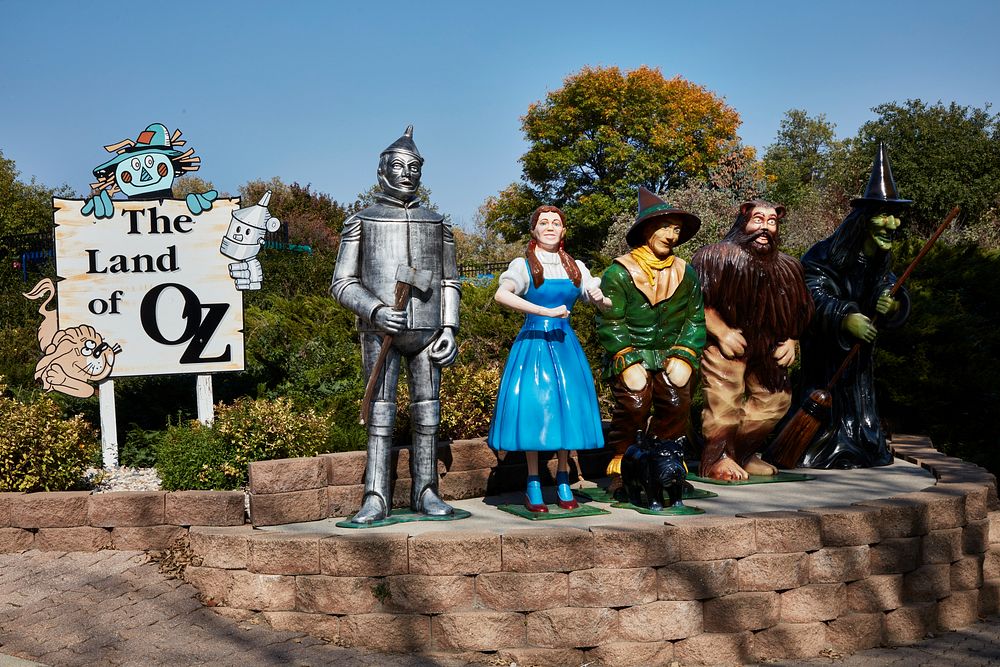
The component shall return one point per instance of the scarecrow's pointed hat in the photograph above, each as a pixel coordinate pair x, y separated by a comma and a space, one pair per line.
651, 206
881, 187
154, 139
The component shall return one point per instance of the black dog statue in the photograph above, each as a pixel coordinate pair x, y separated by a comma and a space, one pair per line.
654, 466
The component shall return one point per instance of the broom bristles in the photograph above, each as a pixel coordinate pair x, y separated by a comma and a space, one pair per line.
790, 444
793, 440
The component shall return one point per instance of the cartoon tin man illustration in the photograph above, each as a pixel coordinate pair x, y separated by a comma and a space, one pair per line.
244, 239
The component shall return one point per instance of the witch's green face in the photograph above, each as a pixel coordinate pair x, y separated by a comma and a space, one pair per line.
881, 231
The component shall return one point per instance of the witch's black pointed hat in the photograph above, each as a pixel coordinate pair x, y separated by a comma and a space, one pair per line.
651, 206
405, 145
881, 187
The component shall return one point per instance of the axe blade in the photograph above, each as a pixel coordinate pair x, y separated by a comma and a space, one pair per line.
418, 278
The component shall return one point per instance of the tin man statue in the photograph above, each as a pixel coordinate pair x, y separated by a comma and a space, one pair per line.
396, 271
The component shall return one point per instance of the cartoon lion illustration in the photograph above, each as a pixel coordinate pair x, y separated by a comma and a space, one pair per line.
73, 357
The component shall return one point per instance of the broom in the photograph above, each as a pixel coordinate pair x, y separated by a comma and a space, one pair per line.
793, 440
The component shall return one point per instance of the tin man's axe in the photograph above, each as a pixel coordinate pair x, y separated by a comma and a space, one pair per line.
407, 278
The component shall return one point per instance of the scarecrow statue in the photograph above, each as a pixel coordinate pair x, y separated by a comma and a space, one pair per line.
756, 308
849, 277
653, 331
396, 271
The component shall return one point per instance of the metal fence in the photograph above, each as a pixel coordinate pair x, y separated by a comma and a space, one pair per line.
15, 244
278, 238
28, 249
487, 270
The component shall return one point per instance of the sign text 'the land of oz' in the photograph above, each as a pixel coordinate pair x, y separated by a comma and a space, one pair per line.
151, 280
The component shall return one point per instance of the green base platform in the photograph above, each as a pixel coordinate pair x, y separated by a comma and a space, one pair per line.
754, 479
404, 516
600, 494
667, 511
555, 512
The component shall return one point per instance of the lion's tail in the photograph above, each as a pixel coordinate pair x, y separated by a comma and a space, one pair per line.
48, 327
43, 287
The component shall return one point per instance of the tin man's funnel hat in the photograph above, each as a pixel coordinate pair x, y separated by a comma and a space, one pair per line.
257, 215
405, 145
881, 188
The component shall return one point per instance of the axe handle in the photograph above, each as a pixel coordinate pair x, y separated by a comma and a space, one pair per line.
402, 296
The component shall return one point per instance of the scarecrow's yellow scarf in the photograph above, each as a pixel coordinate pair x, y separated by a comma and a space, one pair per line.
650, 264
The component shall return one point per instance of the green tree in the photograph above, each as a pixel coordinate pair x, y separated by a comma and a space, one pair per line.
313, 218
25, 207
367, 198
601, 135
192, 184
941, 155
801, 158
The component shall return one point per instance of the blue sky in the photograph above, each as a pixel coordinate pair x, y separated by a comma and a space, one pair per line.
312, 92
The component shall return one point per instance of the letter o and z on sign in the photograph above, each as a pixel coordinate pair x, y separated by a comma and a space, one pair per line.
201, 321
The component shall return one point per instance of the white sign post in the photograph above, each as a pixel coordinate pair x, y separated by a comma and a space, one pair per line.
152, 280
109, 424
203, 396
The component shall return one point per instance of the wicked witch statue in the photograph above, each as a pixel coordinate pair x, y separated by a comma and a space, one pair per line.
849, 277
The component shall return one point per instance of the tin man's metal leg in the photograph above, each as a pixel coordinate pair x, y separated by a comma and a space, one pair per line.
378, 483
377, 501
425, 417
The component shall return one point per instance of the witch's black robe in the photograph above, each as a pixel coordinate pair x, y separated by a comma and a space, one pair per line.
853, 436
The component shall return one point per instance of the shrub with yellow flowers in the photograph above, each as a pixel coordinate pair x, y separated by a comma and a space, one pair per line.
39, 449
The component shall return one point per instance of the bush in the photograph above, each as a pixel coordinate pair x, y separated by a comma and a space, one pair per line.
19, 350
486, 329
305, 349
139, 448
468, 396
193, 456
258, 430
41, 451
937, 374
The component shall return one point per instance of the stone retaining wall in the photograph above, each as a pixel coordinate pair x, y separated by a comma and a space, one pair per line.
127, 520
697, 589
309, 489
702, 589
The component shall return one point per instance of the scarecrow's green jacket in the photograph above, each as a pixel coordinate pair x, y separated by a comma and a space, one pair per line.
673, 327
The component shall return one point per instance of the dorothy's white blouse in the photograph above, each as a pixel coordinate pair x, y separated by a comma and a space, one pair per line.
517, 273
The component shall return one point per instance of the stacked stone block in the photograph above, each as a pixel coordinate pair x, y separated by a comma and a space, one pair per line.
768, 585
129, 521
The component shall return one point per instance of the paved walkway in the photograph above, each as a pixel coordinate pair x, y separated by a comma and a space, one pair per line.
973, 646
114, 608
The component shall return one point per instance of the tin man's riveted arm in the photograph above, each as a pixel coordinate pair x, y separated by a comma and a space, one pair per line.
346, 287
451, 288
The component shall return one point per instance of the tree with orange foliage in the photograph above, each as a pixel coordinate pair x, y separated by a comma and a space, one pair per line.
601, 135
